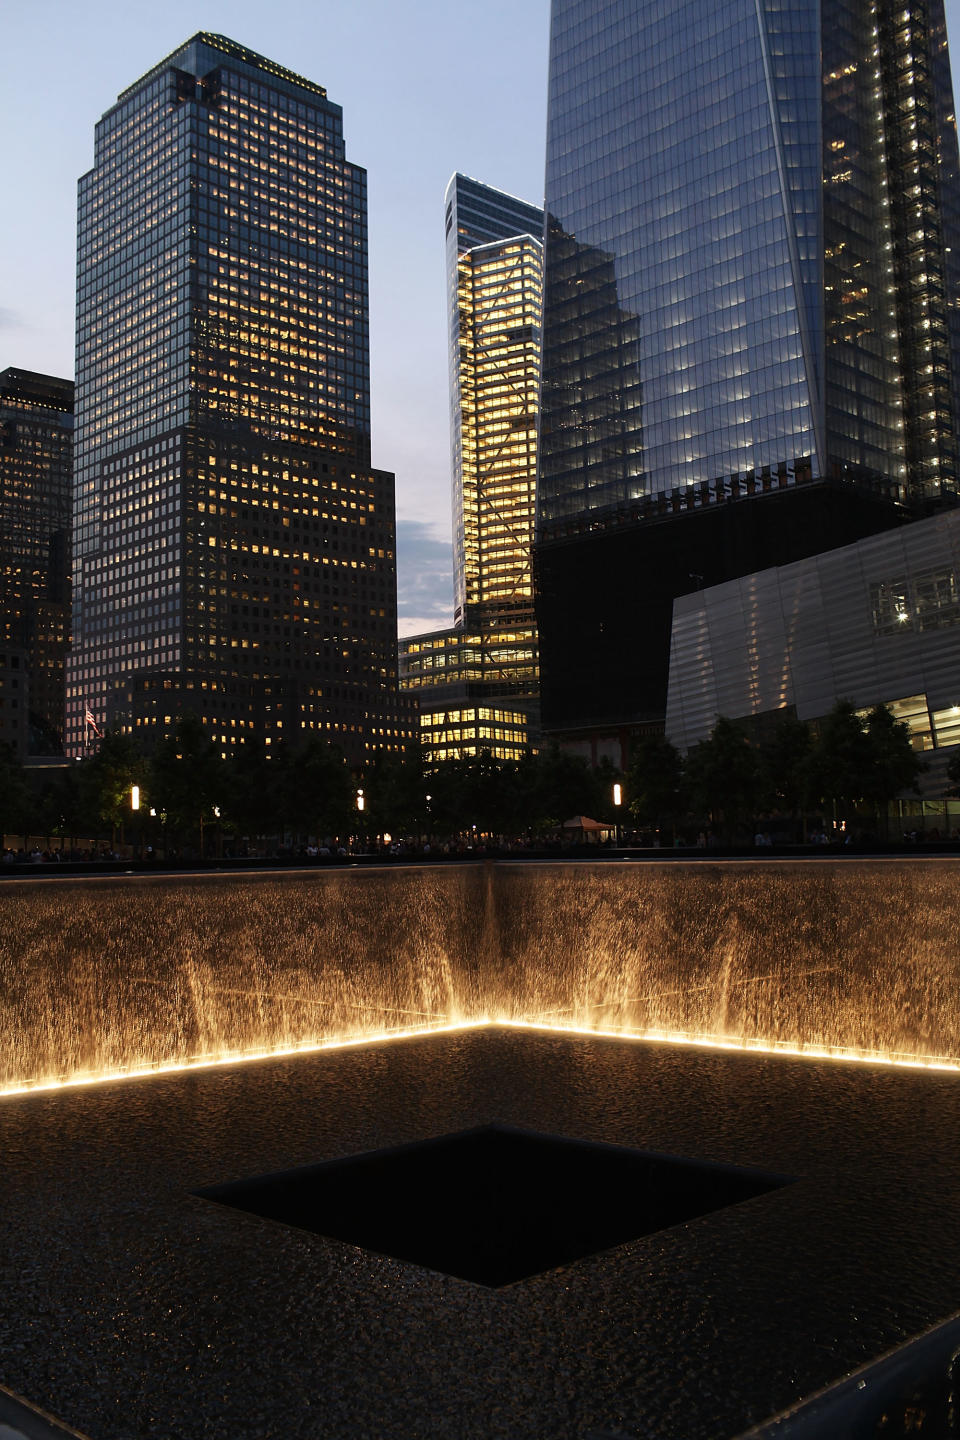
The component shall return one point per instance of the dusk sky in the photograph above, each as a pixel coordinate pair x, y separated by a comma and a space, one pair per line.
426, 89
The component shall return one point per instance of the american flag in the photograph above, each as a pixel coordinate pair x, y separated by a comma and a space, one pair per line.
91, 723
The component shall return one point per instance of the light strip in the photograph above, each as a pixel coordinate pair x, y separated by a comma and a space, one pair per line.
819, 1053
238, 1057
839, 1053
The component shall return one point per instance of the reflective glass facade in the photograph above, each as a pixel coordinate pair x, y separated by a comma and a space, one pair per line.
36, 472
738, 280
751, 288
494, 270
234, 549
499, 305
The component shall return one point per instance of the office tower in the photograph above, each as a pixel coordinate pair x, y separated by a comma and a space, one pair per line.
494, 270
751, 323
234, 549
477, 682
36, 471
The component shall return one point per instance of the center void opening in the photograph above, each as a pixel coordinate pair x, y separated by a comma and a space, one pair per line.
497, 1204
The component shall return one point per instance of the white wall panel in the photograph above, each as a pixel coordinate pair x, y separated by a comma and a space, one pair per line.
804, 635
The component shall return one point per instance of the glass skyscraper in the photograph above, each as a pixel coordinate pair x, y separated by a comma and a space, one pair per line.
751, 287
36, 471
477, 683
233, 547
494, 273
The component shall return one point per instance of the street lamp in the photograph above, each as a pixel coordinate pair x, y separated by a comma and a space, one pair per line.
618, 801
135, 802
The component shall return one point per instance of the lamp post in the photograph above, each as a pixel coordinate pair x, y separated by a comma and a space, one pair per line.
135, 810
618, 801
361, 802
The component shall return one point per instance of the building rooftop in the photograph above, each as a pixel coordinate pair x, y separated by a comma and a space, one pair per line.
233, 51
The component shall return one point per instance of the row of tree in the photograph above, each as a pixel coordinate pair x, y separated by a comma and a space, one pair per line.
189, 796
847, 769
850, 767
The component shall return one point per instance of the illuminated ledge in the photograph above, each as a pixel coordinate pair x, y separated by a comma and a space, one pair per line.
383, 1037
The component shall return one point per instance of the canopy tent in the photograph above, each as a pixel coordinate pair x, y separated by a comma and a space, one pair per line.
580, 828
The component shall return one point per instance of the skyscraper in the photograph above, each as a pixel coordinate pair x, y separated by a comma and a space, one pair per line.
477, 684
36, 469
234, 549
751, 322
494, 270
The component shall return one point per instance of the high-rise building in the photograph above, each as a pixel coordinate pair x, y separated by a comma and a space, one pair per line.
477, 683
36, 471
234, 550
751, 313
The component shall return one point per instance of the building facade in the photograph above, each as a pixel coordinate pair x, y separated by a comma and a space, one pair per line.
751, 291
36, 473
234, 549
477, 684
874, 622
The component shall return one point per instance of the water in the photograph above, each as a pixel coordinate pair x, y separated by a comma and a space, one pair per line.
111, 976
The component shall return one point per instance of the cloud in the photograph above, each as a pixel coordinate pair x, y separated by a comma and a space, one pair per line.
424, 578
10, 319
422, 625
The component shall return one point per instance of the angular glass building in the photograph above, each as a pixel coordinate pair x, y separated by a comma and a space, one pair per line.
751, 289
494, 274
234, 549
36, 473
477, 683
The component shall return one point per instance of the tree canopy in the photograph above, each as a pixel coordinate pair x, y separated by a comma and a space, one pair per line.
849, 766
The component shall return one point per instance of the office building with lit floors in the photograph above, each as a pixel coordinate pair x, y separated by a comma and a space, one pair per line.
477, 683
234, 548
36, 473
751, 324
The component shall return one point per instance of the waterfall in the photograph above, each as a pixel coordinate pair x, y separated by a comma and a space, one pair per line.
119, 975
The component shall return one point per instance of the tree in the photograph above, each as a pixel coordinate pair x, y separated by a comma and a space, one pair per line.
896, 766
321, 792
784, 757
472, 794
15, 803
252, 806
861, 761
563, 786
839, 764
654, 778
722, 776
953, 772
109, 778
187, 777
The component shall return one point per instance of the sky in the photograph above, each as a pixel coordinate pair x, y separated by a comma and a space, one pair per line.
427, 88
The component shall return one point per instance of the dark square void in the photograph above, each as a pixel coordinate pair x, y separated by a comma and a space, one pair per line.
497, 1204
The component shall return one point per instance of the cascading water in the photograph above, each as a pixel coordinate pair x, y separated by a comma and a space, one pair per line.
112, 976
